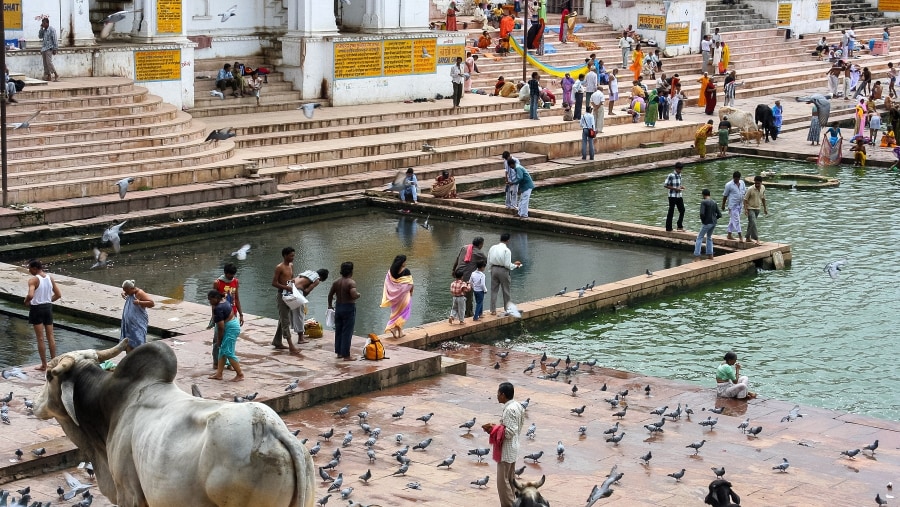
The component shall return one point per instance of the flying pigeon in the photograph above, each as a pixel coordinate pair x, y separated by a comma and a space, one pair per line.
225, 16
111, 235
481, 482
23, 124
834, 268
221, 135
100, 259
123, 186
76, 487
241, 252
783, 466
677, 475
448, 461
309, 109
696, 446
597, 493
793, 414
14, 372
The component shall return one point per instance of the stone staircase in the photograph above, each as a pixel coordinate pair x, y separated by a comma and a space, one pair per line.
277, 94
91, 132
856, 14
732, 18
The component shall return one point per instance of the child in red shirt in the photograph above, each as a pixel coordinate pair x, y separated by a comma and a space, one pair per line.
458, 290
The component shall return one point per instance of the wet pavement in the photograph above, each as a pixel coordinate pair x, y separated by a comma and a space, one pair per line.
818, 473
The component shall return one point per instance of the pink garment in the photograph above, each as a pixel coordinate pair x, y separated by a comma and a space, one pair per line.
468, 257
397, 295
496, 440
470, 69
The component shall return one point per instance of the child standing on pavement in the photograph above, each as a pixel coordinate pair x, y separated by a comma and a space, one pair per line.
458, 290
478, 288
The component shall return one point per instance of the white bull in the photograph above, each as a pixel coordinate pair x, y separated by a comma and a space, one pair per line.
153, 445
739, 119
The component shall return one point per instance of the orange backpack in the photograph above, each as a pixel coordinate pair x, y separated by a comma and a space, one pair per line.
374, 350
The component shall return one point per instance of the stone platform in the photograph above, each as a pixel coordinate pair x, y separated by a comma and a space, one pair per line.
818, 475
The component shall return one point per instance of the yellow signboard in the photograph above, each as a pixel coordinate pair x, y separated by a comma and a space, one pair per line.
168, 16
162, 65
12, 14
889, 5
651, 22
784, 13
424, 59
398, 57
678, 34
823, 10
357, 59
446, 55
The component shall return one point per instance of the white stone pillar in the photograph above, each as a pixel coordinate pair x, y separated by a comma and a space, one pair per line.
413, 15
374, 17
75, 17
150, 24
307, 17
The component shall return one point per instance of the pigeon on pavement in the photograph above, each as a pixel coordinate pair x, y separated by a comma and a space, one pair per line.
677, 475
696, 446
783, 466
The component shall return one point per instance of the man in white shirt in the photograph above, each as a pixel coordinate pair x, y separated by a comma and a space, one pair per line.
458, 77
733, 201
625, 44
499, 260
716, 37
598, 100
512, 419
590, 86
705, 47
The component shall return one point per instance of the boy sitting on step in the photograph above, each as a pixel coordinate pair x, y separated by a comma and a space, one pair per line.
254, 84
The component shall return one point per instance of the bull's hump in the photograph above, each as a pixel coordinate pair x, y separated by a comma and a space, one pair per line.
152, 361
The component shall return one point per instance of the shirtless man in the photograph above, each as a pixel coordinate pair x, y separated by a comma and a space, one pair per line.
42, 292
344, 289
306, 282
284, 272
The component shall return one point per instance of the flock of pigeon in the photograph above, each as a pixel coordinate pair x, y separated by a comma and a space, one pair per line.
76, 488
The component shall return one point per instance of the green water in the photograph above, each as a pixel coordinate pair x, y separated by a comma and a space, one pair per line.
799, 334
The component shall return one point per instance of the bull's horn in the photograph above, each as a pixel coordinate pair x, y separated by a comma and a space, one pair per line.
517, 485
106, 355
68, 399
61, 364
541, 482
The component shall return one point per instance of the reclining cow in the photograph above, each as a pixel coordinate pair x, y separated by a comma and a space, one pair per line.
153, 445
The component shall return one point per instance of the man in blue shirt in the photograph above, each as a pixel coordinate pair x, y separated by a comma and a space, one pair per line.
225, 79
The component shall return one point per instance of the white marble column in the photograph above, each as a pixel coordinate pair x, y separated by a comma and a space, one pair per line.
374, 18
413, 15
75, 15
148, 25
309, 17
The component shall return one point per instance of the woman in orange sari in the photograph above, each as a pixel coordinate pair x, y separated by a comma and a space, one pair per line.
637, 62
704, 81
451, 17
398, 289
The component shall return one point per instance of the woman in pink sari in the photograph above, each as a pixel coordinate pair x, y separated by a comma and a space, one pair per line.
568, 84
398, 289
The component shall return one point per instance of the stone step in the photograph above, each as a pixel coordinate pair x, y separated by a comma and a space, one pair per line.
70, 88
247, 106
193, 132
266, 96
58, 167
23, 138
202, 87
211, 66
24, 109
159, 205
28, 97
164, 112
83, 182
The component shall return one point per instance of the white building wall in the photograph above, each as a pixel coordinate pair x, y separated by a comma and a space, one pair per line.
679, 11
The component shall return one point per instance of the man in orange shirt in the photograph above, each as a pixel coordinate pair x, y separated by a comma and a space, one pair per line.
507, 23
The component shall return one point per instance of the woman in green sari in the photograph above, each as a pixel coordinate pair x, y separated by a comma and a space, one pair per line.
652, 109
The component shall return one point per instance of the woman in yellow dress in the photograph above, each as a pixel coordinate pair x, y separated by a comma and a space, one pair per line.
637, 62
726, 57
704, 81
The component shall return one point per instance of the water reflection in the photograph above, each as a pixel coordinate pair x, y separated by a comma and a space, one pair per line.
801, 335
18, 346
370, 239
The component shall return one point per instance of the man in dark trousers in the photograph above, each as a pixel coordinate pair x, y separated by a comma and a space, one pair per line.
675, 188
467, 260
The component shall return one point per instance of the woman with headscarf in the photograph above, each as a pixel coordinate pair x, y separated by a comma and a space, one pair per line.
704, 81
700, 138
134, 315
652, 109
637, 62
563, 36
710, 93
815, 129
444, 186
398, 289
567, 84
726, 58
451, 17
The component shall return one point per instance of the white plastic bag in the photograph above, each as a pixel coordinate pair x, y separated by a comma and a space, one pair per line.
295, 299
329, 318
